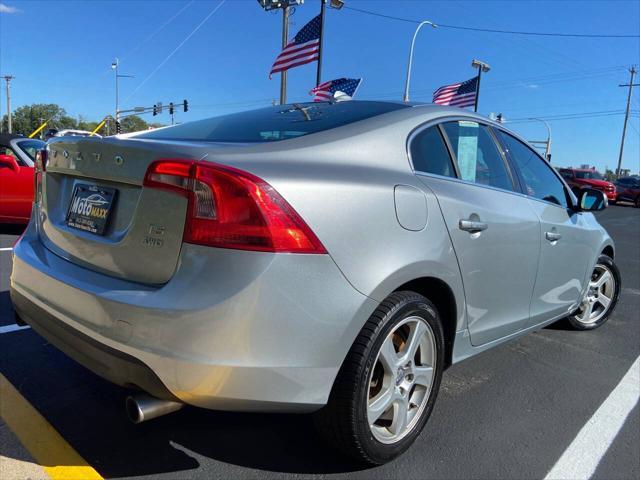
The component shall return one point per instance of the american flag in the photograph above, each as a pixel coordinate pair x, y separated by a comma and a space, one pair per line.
457, 95
325, 91
303, 48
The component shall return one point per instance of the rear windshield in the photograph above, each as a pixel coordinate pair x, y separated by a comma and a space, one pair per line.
274, 123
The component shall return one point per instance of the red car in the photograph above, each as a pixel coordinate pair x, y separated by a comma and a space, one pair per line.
628, 189
578, 178
17, 156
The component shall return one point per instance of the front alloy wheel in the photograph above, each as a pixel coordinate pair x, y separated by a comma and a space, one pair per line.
601, 296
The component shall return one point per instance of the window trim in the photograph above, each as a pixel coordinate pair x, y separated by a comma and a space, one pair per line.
515, 185
568, 197
453, 118
445, 142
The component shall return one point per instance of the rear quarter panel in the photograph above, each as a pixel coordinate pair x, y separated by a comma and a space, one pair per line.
342, 184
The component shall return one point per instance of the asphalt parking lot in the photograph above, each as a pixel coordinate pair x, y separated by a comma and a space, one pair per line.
508, 413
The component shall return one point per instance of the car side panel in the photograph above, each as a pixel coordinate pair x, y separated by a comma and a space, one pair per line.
16, 194
499, 264
563, 263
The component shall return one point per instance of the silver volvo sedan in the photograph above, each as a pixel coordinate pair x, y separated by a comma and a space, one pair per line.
329, 257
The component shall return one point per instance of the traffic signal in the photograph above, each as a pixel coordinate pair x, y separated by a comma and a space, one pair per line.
171, 108
118, 129
185, 105
155, 110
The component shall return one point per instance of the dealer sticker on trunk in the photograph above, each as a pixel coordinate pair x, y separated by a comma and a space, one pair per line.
90, 208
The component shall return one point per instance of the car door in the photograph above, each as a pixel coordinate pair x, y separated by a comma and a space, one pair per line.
494, 231
16, 190
626, 189
567, 247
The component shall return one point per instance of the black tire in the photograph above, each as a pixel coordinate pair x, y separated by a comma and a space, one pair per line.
608, 263
637, 202
343, 421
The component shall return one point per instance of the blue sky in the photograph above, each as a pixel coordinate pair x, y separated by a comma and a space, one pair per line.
60, 52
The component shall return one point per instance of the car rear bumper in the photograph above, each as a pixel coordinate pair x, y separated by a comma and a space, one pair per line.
231, 330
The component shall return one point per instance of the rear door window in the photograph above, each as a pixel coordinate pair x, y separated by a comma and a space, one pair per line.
477, 155
429, 153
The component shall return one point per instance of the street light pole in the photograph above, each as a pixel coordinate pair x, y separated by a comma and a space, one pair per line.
115, 66
482, 67
547, 151
413, 42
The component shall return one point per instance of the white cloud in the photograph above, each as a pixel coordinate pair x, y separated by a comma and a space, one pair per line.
7, 9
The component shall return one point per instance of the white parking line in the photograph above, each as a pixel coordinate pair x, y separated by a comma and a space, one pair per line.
12, 328
581, 458
6, 249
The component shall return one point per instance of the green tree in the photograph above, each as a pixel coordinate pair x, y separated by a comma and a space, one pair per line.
27, 118
133, 123
609, 174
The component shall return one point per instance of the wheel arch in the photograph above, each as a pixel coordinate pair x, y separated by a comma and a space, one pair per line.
442, 296
609, 251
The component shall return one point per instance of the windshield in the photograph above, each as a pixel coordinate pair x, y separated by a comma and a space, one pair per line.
274, 123
30, 147
588, 175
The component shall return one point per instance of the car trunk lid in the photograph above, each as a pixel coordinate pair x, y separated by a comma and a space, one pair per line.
142, 233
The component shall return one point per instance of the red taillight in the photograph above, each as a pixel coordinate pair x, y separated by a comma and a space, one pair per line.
231, 208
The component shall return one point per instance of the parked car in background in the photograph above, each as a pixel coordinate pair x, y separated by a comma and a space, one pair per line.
17, 156
323, 257
578, 178
628, 189
69, 132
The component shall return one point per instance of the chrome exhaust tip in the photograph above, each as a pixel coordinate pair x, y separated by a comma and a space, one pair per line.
142, 407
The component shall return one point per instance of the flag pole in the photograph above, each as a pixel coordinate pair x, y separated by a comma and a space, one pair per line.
285, 40
482, 67
323, 4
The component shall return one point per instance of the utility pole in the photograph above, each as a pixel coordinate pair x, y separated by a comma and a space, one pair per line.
8, 78
633, 72
482, 67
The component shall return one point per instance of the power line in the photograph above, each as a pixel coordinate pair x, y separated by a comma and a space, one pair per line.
158, 30
491, 30
216, 8
572, 116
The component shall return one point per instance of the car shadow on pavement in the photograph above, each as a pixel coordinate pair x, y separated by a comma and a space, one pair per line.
6, 309
89, 413
270, 442
11, 229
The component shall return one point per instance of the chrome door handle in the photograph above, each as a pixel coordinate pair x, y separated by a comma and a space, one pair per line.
472, 226
552, 236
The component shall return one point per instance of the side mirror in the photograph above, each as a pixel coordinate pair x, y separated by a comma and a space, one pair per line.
10, 162
591, 200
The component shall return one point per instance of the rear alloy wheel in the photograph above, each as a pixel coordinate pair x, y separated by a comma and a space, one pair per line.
601, 297
387, 386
